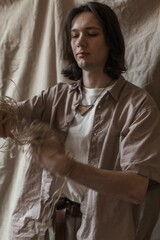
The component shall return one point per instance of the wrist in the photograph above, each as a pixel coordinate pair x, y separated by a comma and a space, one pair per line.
67, 168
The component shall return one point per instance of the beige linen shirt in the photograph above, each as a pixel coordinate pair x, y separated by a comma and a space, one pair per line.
125, 137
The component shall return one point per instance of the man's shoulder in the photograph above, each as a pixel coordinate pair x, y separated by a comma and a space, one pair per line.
132, 89
136, 95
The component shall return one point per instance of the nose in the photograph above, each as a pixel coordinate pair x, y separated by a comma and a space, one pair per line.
81, 41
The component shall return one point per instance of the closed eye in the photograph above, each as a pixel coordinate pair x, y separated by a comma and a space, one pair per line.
87, 34
92, 34
74, 36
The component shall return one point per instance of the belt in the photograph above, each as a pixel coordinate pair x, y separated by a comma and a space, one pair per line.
64, 208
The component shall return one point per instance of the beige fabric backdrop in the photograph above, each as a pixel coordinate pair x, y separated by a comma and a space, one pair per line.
30, 57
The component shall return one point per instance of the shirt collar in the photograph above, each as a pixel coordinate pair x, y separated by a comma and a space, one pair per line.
114, 91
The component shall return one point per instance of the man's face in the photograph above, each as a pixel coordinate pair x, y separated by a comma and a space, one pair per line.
88, 42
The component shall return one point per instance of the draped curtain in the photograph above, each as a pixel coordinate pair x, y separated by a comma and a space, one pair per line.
30, 61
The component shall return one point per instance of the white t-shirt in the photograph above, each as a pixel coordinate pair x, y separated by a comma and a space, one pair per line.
78, 139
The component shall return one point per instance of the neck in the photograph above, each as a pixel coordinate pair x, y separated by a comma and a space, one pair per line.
96, 79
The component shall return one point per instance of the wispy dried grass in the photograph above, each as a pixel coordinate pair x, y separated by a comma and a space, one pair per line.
34, 134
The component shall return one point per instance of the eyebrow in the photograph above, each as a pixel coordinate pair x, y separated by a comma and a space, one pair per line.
86, 28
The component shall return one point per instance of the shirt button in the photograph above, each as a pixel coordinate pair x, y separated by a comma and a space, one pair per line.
99, 106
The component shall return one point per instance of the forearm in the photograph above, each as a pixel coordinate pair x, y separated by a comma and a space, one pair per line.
125, 186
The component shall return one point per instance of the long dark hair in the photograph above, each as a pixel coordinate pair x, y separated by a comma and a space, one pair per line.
115, 64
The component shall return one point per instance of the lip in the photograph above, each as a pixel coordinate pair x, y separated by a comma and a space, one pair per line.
82, 54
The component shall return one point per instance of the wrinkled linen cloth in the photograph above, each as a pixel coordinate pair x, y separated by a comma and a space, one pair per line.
30, 62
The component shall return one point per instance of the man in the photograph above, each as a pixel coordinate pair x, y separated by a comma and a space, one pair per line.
107, 148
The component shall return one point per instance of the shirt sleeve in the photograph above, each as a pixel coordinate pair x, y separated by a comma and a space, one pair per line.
33, 109
140, 148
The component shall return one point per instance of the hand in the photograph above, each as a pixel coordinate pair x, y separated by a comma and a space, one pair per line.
8, 119
5, 125
50, 154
